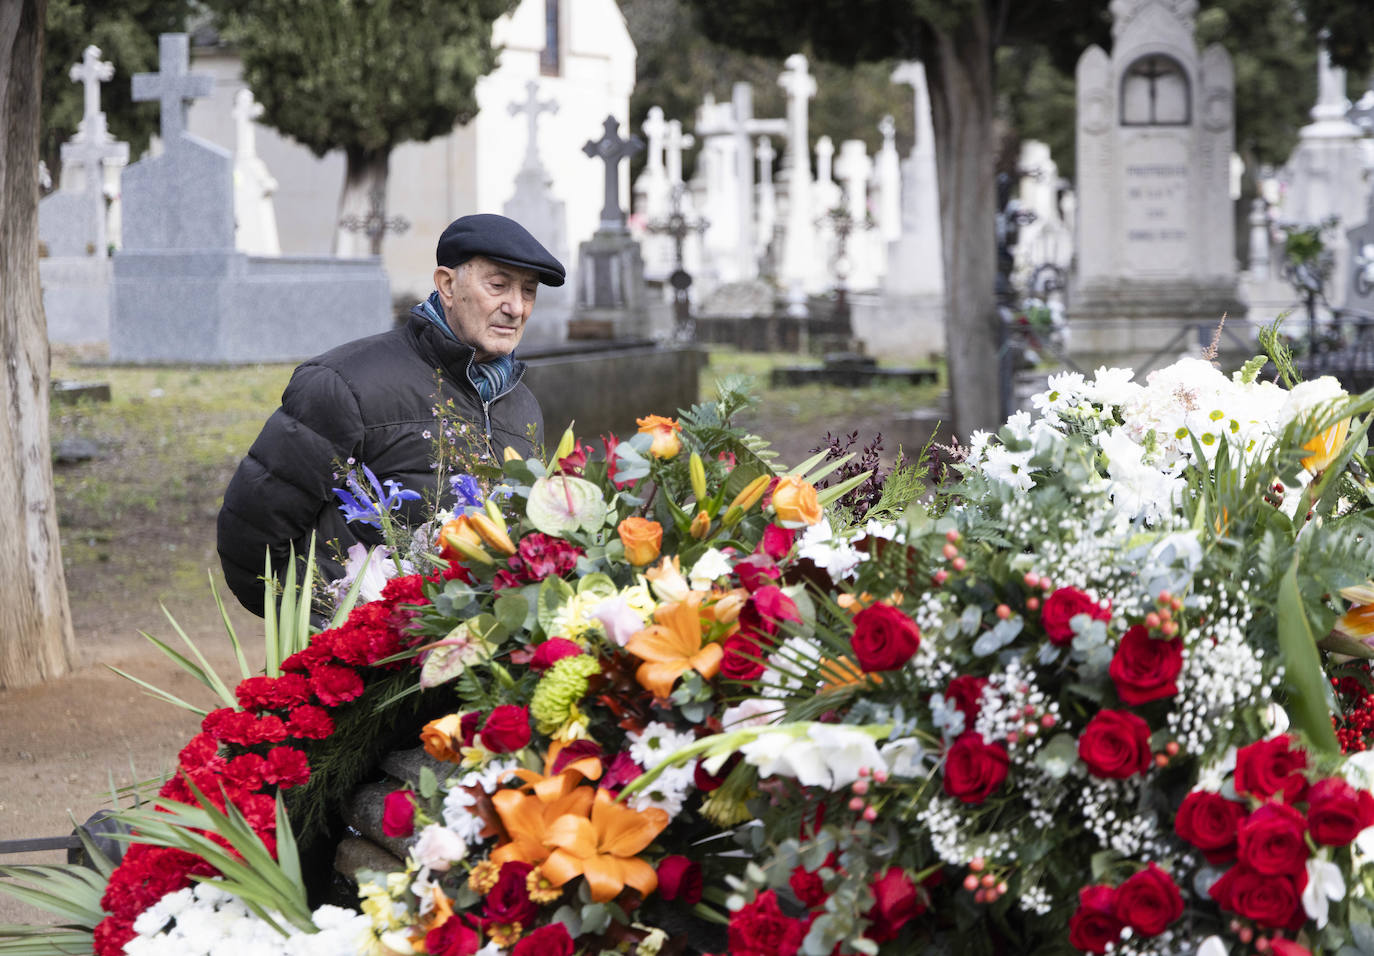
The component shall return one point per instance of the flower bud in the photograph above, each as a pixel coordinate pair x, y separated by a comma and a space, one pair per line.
697, 470
458, 539
745, 500
510, 454
566, 444
700, 525
492, 533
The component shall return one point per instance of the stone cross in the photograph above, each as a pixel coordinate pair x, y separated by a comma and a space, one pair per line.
768, 199
889, 175
796, 267
678, 226
1331, 100
654, 128
673, 145
532, 107
175, 86
90, 73
611, 149
246, 109
375, 225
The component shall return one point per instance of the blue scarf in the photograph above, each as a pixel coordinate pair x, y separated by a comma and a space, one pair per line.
490, 379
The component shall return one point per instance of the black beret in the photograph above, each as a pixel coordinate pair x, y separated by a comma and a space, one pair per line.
499, 239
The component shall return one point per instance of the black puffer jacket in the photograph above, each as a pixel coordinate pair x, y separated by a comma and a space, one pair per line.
370, 401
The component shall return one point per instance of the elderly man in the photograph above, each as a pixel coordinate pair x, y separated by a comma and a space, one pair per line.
372, 402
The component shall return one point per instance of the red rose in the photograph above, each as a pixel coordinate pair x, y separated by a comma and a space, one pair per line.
974, 768
1061, 607
286, 767
706, 782
507, 729
1148, 901
758, 619
1337, 812
895, 903
1286, 947
335, 685
761, 929
810, 887
736, 663
884, 638
1267, 767
1208, 821
1115, 744
1095, 925
509, 900
1273, 840
757, 571
966, 693
398, 814
452, 937
679, 878
552, 651
551, 940
467, 727
1145, 668
777, 541
1271, 901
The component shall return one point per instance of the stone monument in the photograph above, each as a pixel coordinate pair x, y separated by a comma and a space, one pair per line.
183, 292
546, 216
796, 271
74, 224
1156, 235
255, 217
611, 301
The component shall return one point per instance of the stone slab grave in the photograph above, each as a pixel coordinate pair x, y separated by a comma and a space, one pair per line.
184, 293
849, 370
1156, 235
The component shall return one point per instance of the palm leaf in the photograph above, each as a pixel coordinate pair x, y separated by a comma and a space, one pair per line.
1302, 667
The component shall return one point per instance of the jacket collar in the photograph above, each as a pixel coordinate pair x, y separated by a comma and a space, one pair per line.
452, 356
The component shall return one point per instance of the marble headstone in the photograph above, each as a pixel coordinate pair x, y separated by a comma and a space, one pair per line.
1156, 236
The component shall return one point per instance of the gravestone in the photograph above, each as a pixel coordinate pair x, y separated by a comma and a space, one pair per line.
1044, 247
1156, 235
611, 301
254, 214
1359, 292
766, 201
73, 223
796, 272
183, 292
860, 268
889, 177
543, 214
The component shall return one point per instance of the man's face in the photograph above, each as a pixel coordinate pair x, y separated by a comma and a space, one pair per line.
487, 304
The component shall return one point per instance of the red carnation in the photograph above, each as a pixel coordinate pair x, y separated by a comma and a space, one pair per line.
896, 902
1061, 607
286, 767
1337, 812
509, 900
551, 940
974, 768
1115, 744
1095, 925
335, 685
884, 638
679, 878
272, 693
245, 772
552, 651
1148, 901
407, 589
1268, 767
199, 750
761, 929
398, 814
1145, 668
507, 729
309, 722
1208, 821
1273, 840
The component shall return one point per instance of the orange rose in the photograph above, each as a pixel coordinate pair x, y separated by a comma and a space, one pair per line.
442, 738
795, 502
642, 539
666, 441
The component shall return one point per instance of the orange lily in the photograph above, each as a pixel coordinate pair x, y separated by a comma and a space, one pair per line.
673, 646
549, 787
725, 606
1325, 446
605, 849
1358, 622
528, 820
843, 672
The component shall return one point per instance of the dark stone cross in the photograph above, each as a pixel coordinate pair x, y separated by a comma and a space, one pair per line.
679, 227
375, 225
612, 149
175, 85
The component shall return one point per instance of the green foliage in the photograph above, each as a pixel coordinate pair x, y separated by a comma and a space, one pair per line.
127, 35
363, 75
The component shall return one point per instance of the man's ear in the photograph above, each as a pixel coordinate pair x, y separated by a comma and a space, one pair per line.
444, 281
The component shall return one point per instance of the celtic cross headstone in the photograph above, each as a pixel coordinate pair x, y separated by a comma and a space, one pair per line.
611, 148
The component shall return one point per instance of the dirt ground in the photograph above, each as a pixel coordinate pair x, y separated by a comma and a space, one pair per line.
64, 745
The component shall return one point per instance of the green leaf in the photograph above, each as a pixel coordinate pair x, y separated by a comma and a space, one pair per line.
553, 593
511, 611
1302, 667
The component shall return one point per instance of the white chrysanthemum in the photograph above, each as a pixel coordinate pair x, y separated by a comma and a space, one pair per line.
460, 817
656, 742
490, 776
668, 791
1009, 467
1111, 386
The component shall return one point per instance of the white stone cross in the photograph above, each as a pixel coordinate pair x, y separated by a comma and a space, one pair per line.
90, 73
174, 85
673, 145
889, 175
532, 107
768, 202
246, 109
654, 127
796, 258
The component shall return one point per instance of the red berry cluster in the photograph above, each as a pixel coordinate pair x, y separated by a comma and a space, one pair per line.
1354, 723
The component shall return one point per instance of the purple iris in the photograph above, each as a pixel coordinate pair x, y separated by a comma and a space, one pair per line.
367, 505
467, 492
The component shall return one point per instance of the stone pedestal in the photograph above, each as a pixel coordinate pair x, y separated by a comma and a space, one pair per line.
611, 301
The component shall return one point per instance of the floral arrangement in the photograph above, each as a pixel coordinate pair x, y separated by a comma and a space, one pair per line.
672, 700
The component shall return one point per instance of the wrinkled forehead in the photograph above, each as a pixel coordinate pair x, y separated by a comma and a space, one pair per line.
485, 268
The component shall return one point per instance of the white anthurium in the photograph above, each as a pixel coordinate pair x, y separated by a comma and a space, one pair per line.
1324, 883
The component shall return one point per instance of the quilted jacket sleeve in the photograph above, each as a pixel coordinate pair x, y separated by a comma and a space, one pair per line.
280, 489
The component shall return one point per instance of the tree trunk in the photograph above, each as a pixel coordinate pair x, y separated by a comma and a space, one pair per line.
35, 623
962, 113
362, 204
